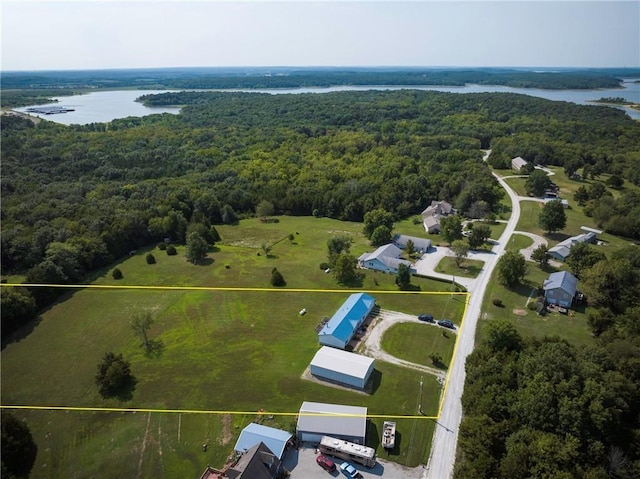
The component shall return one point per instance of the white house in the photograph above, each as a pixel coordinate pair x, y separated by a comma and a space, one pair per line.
420, 245
432, 214
386, 259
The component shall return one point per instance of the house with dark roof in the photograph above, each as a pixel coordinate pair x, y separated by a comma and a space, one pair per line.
560, 288
420, 245
432, 214
342, 326
257, 463
386, 259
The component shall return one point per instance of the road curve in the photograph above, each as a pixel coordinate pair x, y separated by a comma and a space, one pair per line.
445, 439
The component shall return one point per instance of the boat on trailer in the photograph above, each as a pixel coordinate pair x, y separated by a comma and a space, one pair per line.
389, 435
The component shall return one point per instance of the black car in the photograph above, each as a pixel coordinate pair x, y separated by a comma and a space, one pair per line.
426, 317
447, 323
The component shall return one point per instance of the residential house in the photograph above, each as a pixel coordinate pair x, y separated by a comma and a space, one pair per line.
275, 439
386, 259
256, 463
432, 214
562, 250
560, 288
420, 245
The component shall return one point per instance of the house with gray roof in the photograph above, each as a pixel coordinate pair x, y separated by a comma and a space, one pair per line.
253, 434
517, 163
420, 245
432, 214
562, 250
386, 259
560, 288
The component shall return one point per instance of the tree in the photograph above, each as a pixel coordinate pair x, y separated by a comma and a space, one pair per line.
537, 183
479, 235
114, 378
451, 228
228, 215
409, 248
17, 307
151, 259
276, 278
344, 269
460, 250
615, 181
541, 255
512, 267
197, 247
18, 449
435, 358
597, 190
171, 250
141, 323
583, 256
375, 218
264, 209
403, 277
552, 217
117, 274
381, 235
581, 195
337, 245
611, 284
503, 336
266, 249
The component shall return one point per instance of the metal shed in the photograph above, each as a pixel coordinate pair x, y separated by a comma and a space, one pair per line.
342, 367
321, 419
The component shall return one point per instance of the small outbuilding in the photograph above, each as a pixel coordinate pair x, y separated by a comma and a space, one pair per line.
518, 163
562, 250
342, 367
336, 420
560, 289
342, 326
275, 439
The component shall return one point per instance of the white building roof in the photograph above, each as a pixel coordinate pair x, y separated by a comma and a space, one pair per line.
418, 243
518, 162
253, 434
342, 361
333, 419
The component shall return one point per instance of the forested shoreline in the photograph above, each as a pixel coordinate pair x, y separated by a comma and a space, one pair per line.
76, 197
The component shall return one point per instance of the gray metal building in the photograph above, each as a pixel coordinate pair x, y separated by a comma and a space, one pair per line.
321, 419
342, 367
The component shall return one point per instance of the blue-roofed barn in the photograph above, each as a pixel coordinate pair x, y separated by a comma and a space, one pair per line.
342, 367
560, 288
275, 439
345, 322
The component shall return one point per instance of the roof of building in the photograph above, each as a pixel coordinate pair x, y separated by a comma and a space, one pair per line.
342, 361
431, 221
346, 319
518, 162
438, 208
418, 243
563, 248
385, 251
333, 419
591, 230
563, 280
257, 463
275, 439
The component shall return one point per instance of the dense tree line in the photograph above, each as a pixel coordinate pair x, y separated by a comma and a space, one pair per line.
77, 197
544, 408
282, 77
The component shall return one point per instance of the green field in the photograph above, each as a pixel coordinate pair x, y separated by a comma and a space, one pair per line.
469, 268
217, 351
415, 342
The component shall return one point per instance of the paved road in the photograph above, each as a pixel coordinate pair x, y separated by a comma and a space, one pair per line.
445, 439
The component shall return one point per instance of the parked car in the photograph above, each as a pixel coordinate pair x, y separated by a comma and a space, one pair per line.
426, 317
325, 463
350, 471
447, 323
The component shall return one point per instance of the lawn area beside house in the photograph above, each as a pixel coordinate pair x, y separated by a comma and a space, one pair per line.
217, 351
415, 342
518, 242
469, 268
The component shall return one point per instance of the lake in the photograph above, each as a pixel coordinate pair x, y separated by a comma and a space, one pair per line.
104, 106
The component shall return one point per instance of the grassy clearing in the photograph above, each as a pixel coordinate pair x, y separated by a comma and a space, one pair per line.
469, 268
235, 351
414, 342
518, 242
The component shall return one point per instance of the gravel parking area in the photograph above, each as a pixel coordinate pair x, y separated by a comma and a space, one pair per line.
302, 465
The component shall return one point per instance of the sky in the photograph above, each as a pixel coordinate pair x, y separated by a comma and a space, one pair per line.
94, 34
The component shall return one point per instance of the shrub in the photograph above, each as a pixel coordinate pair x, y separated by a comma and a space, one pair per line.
162, 246
117, 274
277, 279
324, 266
532, 305
151, 259
497, 302
171, 250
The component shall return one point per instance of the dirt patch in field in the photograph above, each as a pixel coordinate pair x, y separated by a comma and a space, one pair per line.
519, 312
226, 429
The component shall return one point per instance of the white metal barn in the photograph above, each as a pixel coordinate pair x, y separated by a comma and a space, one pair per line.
342, 367
321, 419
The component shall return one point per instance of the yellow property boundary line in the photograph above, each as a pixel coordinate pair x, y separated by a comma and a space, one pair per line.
239, 289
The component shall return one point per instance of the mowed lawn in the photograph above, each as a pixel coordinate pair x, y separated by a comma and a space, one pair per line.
415, 342
221, 351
